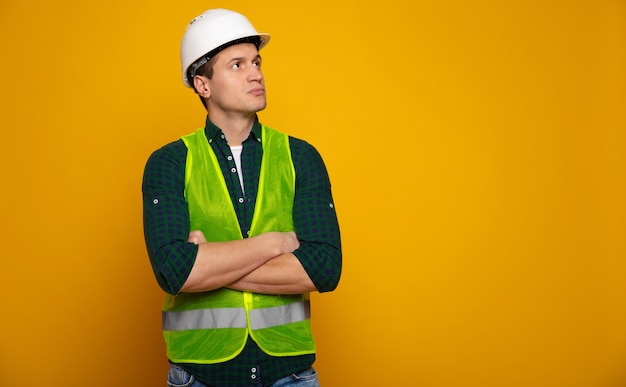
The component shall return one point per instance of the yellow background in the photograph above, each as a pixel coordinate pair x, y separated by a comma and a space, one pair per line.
476, 149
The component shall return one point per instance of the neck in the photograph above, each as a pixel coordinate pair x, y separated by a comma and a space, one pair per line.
236, 129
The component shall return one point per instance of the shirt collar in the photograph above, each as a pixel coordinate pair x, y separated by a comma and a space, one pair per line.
213, 132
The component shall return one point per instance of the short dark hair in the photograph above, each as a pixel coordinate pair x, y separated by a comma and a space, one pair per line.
206, 70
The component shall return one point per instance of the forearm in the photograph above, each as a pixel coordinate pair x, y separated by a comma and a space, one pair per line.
219, 264
281, 275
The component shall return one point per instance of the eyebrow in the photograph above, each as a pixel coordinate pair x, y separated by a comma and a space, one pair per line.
240, 58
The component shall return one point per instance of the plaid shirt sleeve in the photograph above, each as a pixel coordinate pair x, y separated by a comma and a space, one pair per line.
315, 218
166, 219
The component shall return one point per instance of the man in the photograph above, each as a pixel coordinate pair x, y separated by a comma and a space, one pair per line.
239, 225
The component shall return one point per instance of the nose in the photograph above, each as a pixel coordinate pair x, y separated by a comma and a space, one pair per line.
255, 74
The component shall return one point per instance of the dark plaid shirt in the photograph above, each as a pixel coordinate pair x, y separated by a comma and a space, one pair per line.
166, 228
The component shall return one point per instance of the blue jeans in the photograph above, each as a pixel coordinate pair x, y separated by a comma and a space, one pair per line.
178, 377
306, 378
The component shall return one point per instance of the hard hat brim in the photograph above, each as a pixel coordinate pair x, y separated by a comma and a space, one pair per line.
246, 38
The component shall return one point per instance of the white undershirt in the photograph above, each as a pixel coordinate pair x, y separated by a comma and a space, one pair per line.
236, 151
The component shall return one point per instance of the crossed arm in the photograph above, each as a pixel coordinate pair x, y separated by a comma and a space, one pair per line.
271, 263
260, 264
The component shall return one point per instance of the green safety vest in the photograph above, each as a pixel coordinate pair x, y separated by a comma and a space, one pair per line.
212, 327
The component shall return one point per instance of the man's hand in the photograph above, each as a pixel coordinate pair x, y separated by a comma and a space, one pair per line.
290, 241
196, 237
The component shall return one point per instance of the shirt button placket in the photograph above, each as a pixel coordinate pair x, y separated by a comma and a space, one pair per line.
253, 373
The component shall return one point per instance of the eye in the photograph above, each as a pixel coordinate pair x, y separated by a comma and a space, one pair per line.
235, 65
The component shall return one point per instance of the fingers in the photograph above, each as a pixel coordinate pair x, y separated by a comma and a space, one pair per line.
196, 237
292, 242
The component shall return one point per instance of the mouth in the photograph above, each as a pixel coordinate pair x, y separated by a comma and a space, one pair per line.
257, 91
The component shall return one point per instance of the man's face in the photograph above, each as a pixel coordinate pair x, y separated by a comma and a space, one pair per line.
237, 85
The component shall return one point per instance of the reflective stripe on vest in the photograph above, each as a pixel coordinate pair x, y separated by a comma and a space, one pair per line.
205, 319
280, 315
212, 327
236, 317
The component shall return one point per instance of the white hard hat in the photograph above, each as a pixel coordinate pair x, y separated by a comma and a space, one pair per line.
211, 32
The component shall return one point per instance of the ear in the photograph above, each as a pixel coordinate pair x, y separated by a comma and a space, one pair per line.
201, 84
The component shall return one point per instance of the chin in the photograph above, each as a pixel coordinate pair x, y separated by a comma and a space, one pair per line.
261, 107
